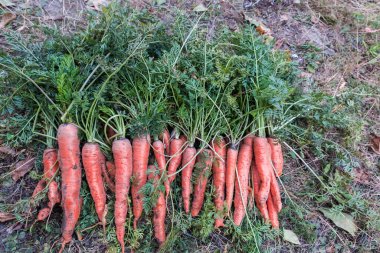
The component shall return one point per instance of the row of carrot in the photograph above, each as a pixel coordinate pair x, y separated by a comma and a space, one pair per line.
258, 159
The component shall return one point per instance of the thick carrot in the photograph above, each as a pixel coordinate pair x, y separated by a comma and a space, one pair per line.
219, 176
165, 138
276, 155
273, 215
159, 154
122, 155
262, 158
111, 169
204, 163
159, 210
69, 162
249, 139
188, 162
232, 155
176, 148
92, 163
256, 188
241, 182
141, 146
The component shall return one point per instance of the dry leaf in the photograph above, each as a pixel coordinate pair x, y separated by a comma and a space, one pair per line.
8, 151
375, 141
361, 176
342, 220
98, 4
200, 8
22, 167
6, 3
6, 19
290, 236
6, 217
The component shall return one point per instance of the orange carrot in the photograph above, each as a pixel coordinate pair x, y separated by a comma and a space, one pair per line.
204, 162
276, 155
39, 188
111, 169
256, 188
122, 154
219, 176
92, 163
140, 146
241, 182
262, 158
69, 162
188, 162
275, 192
165, 138
159, 154
110, 182
54, 195
43, 214
249, 139
176, 146
159, 210
232, 155
273, 215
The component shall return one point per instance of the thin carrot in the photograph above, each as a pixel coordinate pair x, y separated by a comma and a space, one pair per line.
141, 146
107, 177
159, 154
204, 163
176, 146
39, 188
262, 158
232, 155
219, 176
241, 182
111, 169
276, 155
275, 193
54, 195
43, 214
188, 162
273, 215
69, 162
165, 138
256, 188
122, 154
92, 162
159, 210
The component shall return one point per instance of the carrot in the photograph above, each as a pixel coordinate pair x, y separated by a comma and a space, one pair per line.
159, 210
188, 162
92, 163
219, 176
39, 188
141, 146
54, 195
122, 154
256, 188
50, 164
275, 193
276, 155
111, 169
110, 182
262, 158
273, 215
232, 155
69, 162
176, 146
159, 154
165, 138
43, 214
249, 139
204, 162
241, 182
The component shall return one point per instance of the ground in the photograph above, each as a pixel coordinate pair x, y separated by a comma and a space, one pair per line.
336, 44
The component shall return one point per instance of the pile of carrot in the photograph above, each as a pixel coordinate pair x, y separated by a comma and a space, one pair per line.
254, 165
